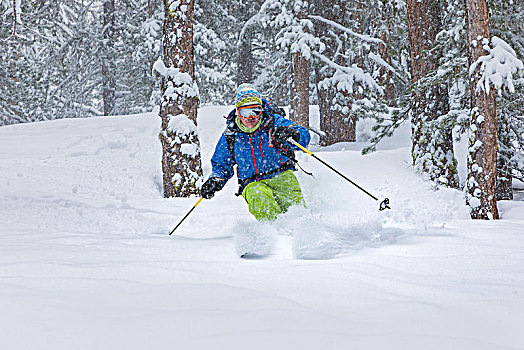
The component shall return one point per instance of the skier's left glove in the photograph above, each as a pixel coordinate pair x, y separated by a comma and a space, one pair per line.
283, 133
212, 185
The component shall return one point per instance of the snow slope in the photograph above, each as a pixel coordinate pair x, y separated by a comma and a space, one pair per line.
86, 261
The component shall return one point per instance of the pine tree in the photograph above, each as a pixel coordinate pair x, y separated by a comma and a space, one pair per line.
137, 38
295, 37
77, 59
181, 164
506, 23
432, 142
10, 67
336, 122
216, 35
353, 67
300, 86
108, 80
246, 61
345, 89
386, 16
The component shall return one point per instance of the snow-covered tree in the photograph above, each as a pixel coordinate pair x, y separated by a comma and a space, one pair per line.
300, 34
386, 22
181, 166
432, 142
53, 60
294, 37
248, 41
146, 89
497, 70
216, 32
107, 61
334, 103
10, 93
449, 70
345, 87
75, 58
506, 23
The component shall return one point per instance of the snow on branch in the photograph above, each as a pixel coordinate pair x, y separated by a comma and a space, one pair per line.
14, 7
345, 77
295, 31
255, 20
386, 65
86, 108
297, 40
498, 66
362, 37
208, 38
151, 30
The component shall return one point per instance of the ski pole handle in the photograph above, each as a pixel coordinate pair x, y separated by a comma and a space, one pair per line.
189, 212
290, 140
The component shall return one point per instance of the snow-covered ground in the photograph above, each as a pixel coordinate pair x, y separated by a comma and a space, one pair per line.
86, 261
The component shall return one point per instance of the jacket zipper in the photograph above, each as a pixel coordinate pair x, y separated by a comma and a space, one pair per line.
278, 151
253, 153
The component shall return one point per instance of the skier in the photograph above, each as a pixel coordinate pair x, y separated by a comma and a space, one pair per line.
256, 140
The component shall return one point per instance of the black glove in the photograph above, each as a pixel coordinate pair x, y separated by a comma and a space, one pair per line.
283, 133
212, 185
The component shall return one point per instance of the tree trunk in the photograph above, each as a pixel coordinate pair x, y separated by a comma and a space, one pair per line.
108, 80
300, 102
299, 112
336, 123
385, 75
152, 6
504, 178
245, 59
432, 142
181, 164
482, 157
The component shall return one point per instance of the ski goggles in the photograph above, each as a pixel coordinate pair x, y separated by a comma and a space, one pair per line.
250, 112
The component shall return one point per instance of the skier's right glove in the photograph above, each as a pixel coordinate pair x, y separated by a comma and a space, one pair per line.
212, 185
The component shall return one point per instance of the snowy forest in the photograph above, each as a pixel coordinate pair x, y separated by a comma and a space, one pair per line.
451, 68
111, 117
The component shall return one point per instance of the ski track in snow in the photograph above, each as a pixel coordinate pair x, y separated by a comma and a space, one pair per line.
86, 261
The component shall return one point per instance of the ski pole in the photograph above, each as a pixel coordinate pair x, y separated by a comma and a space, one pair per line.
383, 205
189, 212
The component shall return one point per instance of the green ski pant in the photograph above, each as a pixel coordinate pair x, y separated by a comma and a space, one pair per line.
270, 197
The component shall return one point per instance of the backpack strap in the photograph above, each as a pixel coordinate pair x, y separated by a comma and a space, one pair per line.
230, 138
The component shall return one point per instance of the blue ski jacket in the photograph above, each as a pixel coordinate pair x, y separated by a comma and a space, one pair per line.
258, 155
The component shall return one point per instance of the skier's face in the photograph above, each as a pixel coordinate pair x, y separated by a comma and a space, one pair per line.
250, 115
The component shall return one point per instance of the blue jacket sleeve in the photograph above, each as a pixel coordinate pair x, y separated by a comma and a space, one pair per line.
222, 161
305, 137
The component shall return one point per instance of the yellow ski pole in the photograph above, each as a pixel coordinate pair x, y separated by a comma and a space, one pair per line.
383, 205
189, 212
